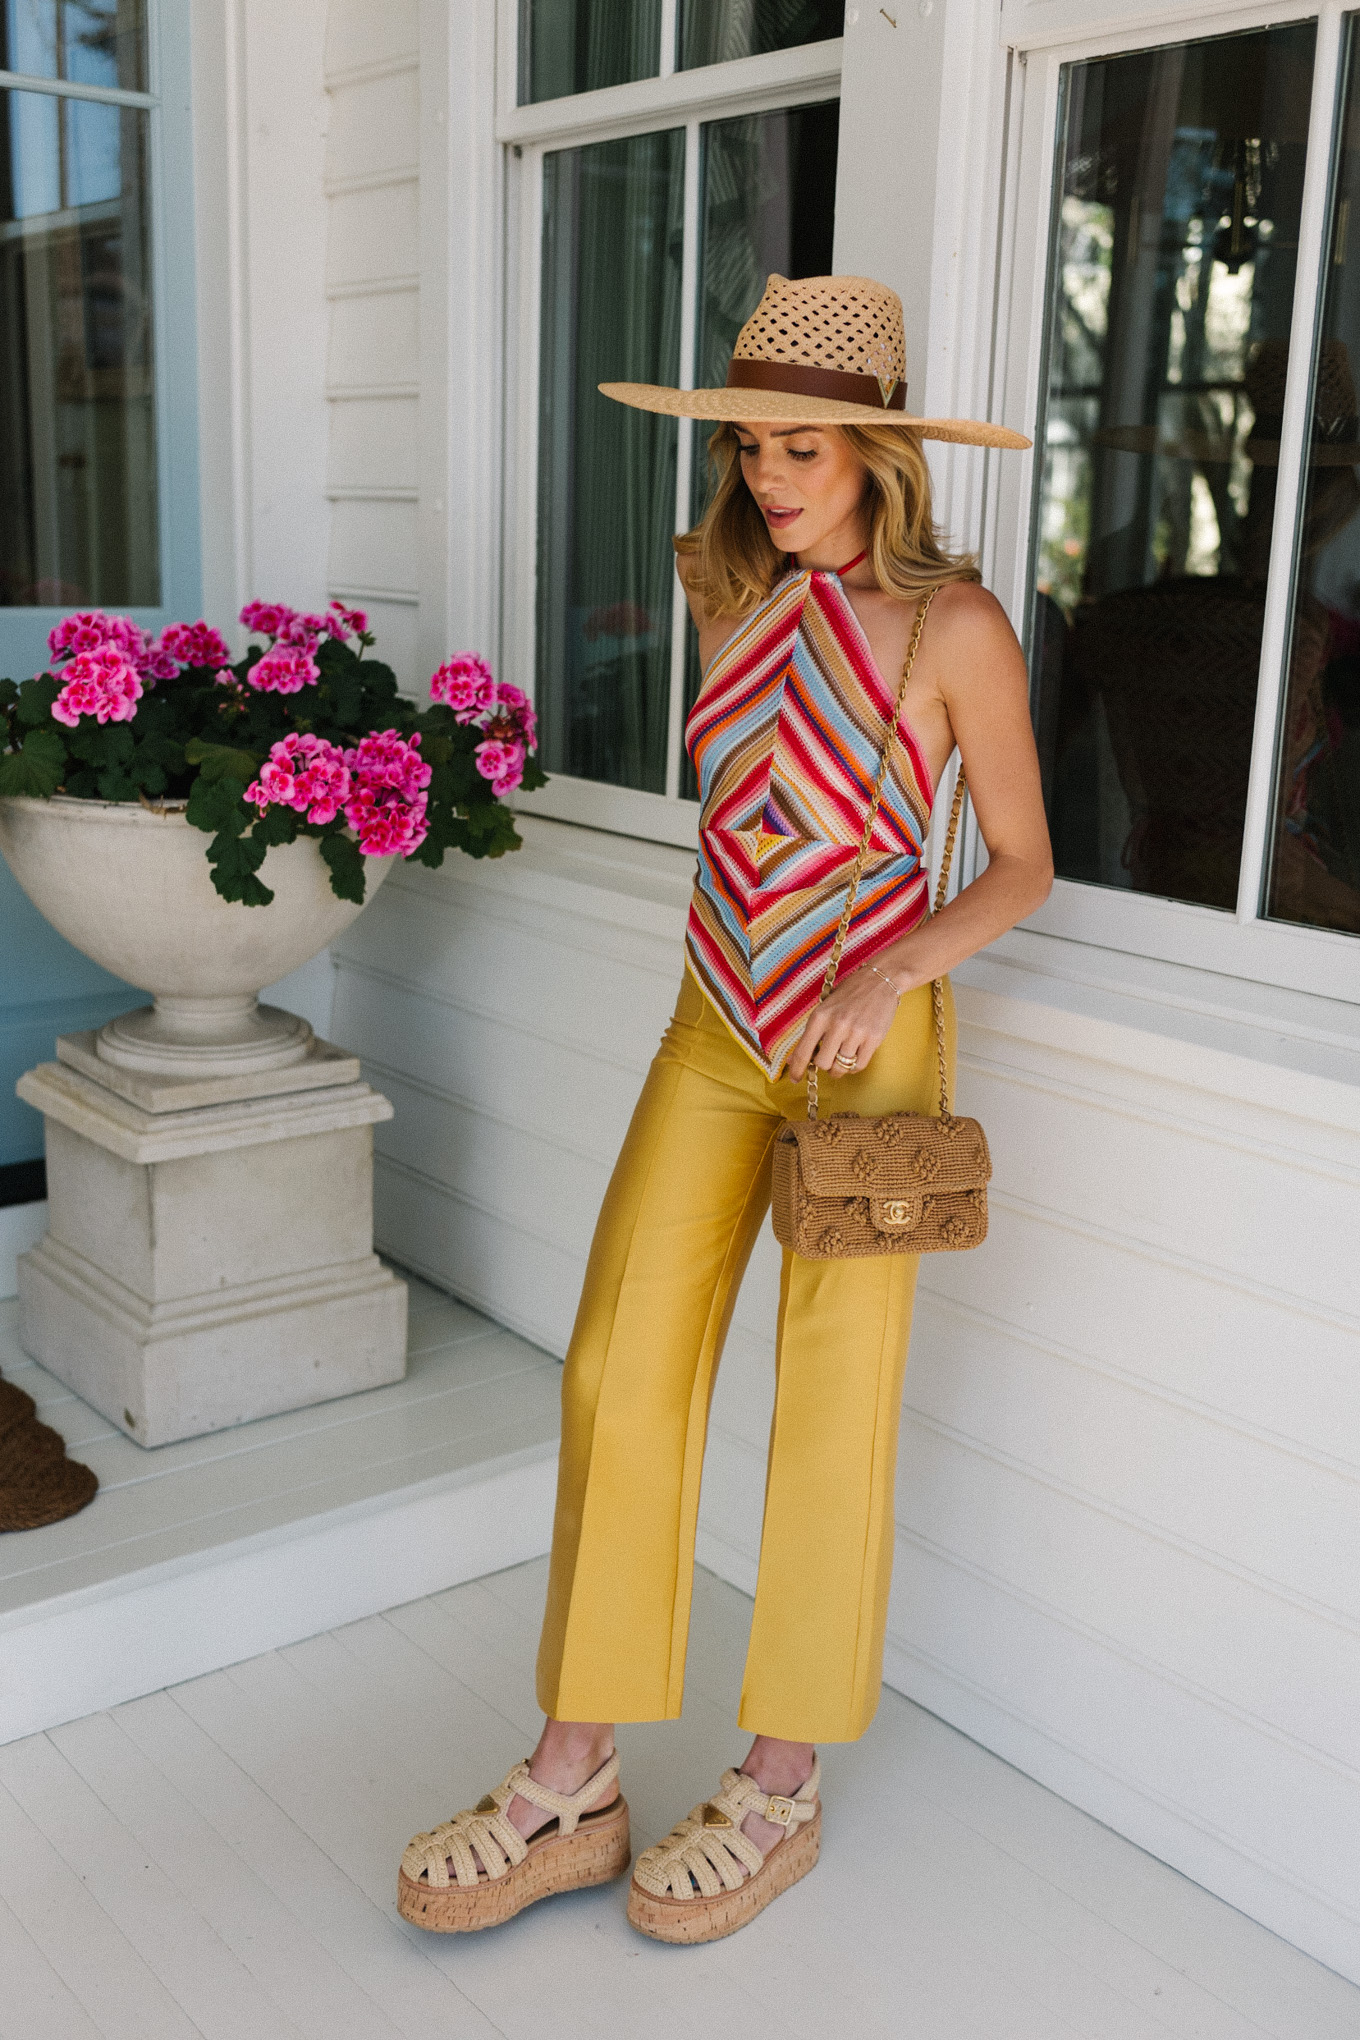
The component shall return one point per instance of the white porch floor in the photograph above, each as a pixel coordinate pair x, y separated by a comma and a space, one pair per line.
219, 1859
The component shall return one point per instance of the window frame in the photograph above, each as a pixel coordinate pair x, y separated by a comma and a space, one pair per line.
170, 213
1241, 943
673, 99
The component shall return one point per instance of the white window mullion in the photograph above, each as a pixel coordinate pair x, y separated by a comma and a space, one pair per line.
1292, 477
684, 452
66, 88
666, 66
520, 592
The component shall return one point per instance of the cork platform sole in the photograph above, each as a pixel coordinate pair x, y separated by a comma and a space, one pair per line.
687, 1921
597, 1853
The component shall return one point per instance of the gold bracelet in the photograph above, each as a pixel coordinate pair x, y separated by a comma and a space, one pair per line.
886, 979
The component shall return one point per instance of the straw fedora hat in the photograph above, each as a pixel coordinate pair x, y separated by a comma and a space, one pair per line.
817, 350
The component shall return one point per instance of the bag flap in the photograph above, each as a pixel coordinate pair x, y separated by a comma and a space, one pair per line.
900, 1156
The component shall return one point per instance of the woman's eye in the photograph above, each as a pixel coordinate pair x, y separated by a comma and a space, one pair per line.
747, 451
801, 453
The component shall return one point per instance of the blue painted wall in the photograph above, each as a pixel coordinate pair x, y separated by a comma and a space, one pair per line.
46, 989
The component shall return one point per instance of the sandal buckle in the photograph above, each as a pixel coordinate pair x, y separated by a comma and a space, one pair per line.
780, 1811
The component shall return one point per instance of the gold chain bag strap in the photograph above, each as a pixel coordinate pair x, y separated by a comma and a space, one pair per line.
907, 1183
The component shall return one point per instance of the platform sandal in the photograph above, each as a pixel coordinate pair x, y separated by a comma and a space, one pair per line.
708, 1878
506, 1872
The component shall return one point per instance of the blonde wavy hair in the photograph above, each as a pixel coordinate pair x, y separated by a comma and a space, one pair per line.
731, 562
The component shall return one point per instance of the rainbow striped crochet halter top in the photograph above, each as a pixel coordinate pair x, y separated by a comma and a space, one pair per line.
786, 739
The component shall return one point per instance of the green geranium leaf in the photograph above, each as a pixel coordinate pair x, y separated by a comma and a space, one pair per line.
221, 761
35, 698
346, 691
491, 830
277, 825
115, 784
216, 805
159, 751
379, 679
38, 769
113, 744
235, 861
346, 867
534, 776
9, 694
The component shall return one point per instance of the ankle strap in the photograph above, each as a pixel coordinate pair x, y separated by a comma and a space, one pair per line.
568, 1806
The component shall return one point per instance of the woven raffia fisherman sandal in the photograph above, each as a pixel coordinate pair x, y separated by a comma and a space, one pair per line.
708, 1878
575, 1849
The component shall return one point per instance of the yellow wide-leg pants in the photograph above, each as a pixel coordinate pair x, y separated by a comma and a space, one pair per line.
687, 1198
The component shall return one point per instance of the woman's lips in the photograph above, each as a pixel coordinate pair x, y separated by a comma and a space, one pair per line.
779, 518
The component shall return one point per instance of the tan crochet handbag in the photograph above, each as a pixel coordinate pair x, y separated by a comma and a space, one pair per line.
907, 1183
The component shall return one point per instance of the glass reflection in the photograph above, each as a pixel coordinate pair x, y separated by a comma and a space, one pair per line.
767, 203
1315, 862
88, 42
78, 492
1171, 286
570, 46
613, 220
717, 31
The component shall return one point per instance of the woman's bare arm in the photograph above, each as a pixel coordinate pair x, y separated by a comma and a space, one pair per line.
984, 689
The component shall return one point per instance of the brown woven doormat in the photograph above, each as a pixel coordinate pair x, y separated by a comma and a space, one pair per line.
38, 1483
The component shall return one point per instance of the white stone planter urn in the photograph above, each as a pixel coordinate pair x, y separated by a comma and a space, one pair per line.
209, 1255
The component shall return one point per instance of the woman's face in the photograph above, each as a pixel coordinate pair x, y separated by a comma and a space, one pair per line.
810, 485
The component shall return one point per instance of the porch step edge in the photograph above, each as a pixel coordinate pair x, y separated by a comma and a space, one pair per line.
75, 1654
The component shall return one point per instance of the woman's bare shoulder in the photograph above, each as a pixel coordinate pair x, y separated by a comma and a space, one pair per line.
967, 613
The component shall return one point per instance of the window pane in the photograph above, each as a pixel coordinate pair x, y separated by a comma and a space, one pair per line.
716, 31
580, 45
767, 203
613, 222
78, 495
91, 42
1315, 862
1171, 284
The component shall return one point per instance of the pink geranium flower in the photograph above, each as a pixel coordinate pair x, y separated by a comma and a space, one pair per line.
387, 827
286, 669
156, 664
306, 773
501, 763
514, 704
193, 644
387, 802
269, 618
88, 630
100, 683
466, 683
343, 623
303, 629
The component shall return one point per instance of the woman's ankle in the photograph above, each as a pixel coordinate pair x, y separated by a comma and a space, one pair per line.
779, 1767
570, 1752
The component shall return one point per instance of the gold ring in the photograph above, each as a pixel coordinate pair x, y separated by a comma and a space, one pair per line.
847, 1062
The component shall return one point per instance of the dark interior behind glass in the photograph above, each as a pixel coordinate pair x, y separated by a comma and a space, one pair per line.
1170, 293
717, 31
568, 46
1315, 859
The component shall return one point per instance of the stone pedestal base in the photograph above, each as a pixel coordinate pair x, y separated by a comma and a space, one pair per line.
209, 1256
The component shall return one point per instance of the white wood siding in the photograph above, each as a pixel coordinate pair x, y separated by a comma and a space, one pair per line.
372, 61
1128, 1545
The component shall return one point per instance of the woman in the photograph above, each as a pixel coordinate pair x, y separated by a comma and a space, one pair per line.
811, 570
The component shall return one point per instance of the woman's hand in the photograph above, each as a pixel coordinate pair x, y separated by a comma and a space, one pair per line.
852, 1022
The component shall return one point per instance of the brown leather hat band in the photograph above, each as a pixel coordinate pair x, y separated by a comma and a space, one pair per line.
796, 379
